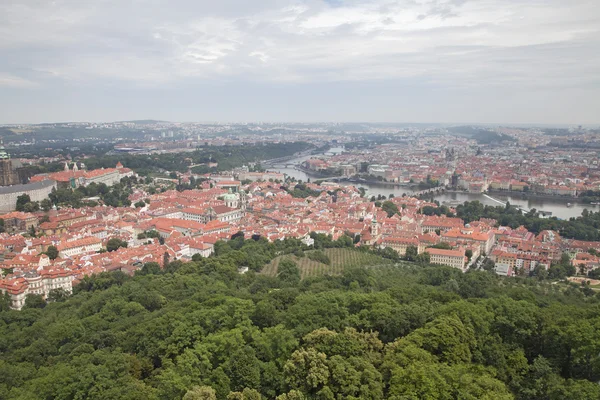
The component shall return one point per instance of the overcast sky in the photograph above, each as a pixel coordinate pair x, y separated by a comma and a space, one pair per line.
488, 61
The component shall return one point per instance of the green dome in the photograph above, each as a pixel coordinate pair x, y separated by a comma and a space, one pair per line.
3, 154
230, 196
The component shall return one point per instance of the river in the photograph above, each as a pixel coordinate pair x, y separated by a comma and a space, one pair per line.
558, 206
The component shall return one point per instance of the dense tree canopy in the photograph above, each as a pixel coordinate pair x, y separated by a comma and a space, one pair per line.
227, 158
389, 207
584, 227
52, 252
114, 243
201, 330
302, 191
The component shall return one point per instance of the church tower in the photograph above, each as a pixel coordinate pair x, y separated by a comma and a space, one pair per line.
7, 174
374, 228
231, 199
243, 199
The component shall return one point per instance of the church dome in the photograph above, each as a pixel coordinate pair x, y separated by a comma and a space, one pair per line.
230, 196
3, 154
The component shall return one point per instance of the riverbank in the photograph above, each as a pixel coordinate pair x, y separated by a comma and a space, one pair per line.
556, 205
412, 188
383, 183
359, 181
287, 159
313, 174
535, 196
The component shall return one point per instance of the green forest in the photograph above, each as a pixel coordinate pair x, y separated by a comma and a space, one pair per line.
201, 330
227, 157
584, 227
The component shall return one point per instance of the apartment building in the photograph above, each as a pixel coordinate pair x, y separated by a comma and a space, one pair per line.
18, 221
34, 282
400, 244
442, 223
485, 240
76, 247
453, 258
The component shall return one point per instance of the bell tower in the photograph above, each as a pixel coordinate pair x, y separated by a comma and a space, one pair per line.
7, 175
374, 227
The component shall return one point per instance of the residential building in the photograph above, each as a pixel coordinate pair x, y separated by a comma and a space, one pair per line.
18, 221
76, 247
453, 258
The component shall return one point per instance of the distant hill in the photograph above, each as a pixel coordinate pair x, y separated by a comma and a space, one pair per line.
143, 121
137, 121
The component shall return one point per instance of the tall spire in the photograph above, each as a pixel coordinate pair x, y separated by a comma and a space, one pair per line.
66, 165
3, 154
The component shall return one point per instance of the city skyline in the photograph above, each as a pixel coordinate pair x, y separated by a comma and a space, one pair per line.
404, 124
517, 62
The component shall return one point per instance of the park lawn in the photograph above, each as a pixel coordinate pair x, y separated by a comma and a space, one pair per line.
340, 259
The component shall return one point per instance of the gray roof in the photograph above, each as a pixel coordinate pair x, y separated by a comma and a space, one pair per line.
26, 187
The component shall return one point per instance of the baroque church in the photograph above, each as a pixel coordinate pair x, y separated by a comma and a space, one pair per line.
8, 169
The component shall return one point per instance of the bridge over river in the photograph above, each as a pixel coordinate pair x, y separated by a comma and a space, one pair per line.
287, 161
433, 190
523, 209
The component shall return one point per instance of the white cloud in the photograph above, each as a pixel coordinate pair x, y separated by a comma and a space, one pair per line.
12, 81
449, 43
309, 41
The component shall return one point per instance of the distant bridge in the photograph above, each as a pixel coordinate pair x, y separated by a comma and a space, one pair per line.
279, 166
435, 190
279, 160
275, 161
504, 203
